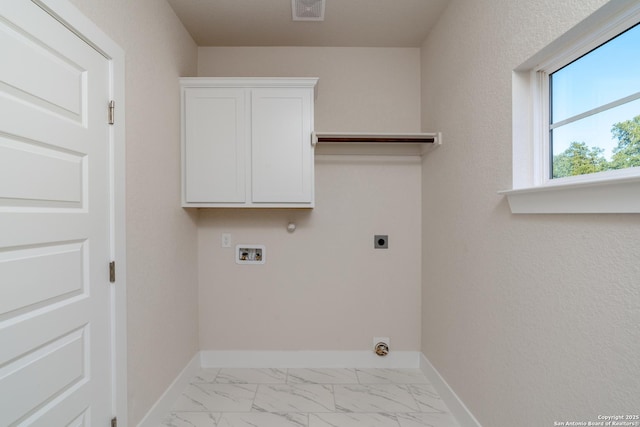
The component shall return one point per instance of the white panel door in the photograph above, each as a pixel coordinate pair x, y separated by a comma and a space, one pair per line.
55, 351
281, 152
215, 122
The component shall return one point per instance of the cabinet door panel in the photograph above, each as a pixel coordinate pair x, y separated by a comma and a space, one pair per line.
215, 156
282, 157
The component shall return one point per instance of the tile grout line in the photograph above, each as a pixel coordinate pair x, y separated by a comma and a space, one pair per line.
414, 399
255, 395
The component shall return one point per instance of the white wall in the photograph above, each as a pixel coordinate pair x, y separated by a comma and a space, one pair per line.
324, 287
161, 236
530, 318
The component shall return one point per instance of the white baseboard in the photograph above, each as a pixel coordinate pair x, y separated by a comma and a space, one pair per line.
459, 410
162, 406
308, 359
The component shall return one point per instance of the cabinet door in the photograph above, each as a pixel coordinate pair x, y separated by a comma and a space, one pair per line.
281, 152
215, 145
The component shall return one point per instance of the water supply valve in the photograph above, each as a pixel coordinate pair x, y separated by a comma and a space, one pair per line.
381, 349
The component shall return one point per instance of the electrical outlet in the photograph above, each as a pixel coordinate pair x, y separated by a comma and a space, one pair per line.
381, 241
226, 240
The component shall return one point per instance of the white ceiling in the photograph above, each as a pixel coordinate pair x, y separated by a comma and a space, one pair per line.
361, 23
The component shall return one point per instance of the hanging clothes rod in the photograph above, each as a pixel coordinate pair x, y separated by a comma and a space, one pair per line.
376, 138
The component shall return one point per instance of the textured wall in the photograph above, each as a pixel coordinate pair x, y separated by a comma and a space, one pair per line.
360, 89
324, 287
530, 318
161, 236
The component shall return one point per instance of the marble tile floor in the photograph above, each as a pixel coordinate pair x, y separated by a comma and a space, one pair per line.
309, 398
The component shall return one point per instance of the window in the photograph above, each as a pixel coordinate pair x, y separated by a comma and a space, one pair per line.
594, 109
576, 119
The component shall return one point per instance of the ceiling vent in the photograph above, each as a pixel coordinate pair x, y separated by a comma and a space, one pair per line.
308, 10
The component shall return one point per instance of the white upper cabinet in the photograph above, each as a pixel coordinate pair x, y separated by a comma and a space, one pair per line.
246, 142
214, 145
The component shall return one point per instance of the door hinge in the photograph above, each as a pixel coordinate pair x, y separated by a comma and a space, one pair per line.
112, 107
112, 271
114, 422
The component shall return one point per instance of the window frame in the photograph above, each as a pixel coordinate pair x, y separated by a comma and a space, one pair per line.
533, 189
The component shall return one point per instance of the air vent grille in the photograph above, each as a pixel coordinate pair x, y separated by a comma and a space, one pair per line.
308, 10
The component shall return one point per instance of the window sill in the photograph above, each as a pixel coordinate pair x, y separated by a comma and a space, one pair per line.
616, 195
